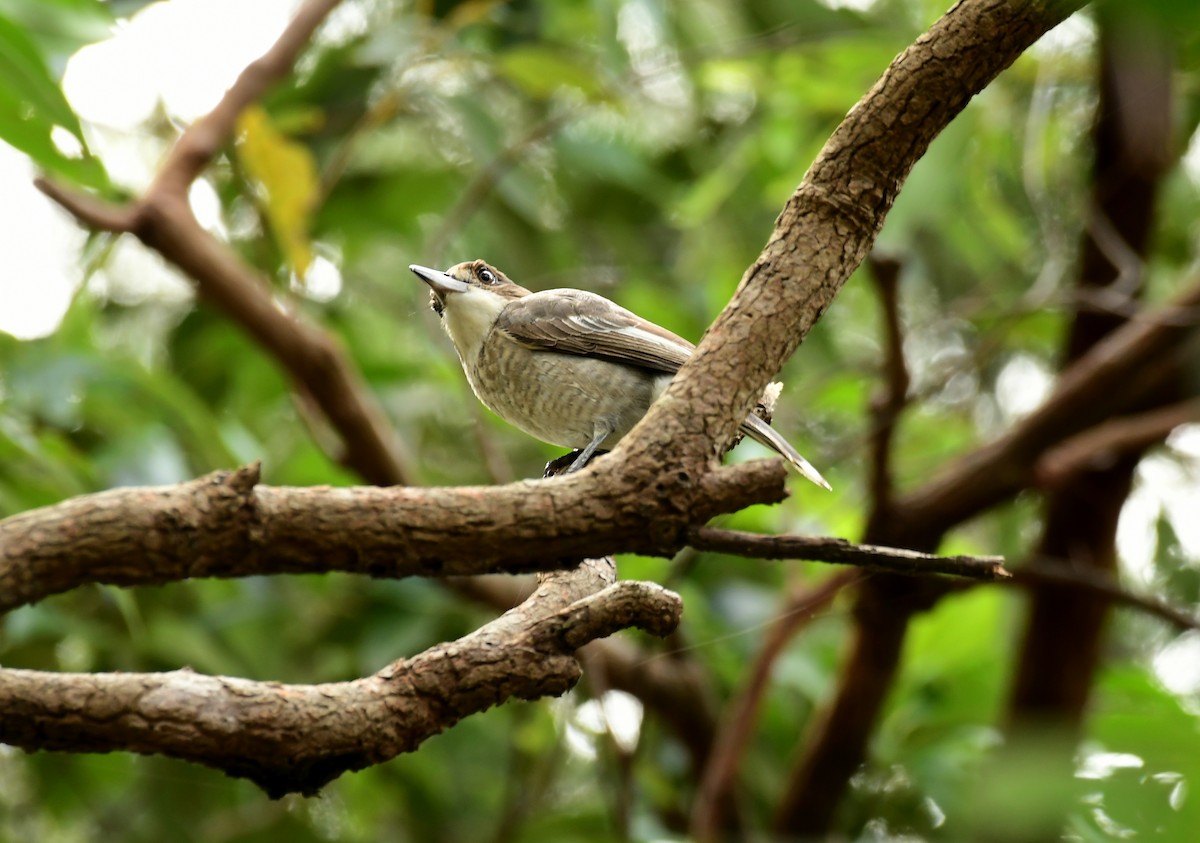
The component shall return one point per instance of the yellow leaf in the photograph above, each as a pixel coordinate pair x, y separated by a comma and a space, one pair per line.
286, 176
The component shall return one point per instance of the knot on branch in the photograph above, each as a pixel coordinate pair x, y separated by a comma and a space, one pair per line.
629, 603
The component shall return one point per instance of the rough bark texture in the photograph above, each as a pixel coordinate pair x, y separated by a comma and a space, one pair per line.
225, 525
658, 483
828, 225
296, 738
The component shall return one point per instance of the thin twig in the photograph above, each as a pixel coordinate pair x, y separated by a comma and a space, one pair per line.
893, 395
1047, 572
737, 724
843, 552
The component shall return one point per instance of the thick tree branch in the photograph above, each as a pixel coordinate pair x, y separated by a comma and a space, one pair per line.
296, 738
824, 232
1110, 376
842, 552
163, 220
226, 525
830, 222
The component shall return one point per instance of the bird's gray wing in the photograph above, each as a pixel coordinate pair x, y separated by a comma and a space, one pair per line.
583, 323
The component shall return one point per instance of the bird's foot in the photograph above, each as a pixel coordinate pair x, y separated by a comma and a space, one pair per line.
570, 462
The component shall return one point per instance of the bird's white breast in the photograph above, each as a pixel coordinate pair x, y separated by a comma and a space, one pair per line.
468, 319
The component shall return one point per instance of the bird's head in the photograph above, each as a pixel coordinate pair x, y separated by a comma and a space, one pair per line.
477, 279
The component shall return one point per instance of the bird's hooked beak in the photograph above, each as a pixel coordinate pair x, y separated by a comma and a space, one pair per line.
438, 281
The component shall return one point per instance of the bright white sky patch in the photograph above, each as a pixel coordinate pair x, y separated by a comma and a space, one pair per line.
1022, 386
41, 248
1178, 664
183, 54
1075, 35
321, 283
1166, 487
1101, 765
856, 5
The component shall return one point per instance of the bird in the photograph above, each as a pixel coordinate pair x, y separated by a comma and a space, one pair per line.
566, 366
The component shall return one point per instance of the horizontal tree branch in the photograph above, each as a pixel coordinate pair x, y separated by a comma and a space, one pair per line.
296, 738
227, 525
842, 552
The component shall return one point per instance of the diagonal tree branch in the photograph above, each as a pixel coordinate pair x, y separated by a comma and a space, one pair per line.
1096, 385
1105, 443
830, 222
1111, 376
163, 220
297, 738
737, 722
205, 138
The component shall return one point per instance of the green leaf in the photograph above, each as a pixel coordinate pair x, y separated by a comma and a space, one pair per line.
32, 106
542, 70
60, 27
24, 72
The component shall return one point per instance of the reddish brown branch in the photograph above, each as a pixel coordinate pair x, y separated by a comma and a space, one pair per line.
163, 220
842, 552
196, 148
737, 724
1106, 443
296, 738
889, 403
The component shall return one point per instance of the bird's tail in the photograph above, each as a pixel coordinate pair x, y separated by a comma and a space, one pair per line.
764, 434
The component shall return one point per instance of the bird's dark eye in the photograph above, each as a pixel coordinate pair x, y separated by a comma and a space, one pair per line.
488, 277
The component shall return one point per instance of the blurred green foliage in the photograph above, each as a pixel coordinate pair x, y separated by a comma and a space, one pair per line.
641, 149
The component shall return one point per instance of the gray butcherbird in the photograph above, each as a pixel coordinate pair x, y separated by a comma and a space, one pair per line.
566, 366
